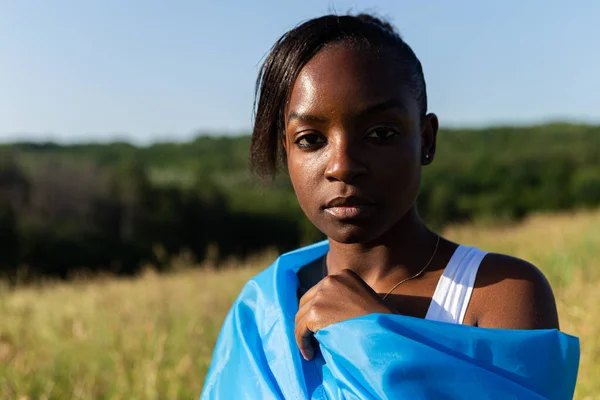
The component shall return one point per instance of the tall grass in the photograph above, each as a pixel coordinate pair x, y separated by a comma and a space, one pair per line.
152, 337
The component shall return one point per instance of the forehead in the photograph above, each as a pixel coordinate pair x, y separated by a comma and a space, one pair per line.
341, 78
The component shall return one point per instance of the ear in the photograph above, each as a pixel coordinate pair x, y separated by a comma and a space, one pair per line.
429, 138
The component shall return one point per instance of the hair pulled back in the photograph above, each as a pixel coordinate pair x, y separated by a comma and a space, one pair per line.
293, 51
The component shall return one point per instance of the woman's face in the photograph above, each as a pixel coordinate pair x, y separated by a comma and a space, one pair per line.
355, 143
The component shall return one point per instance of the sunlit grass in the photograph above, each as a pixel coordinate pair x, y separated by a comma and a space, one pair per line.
152, 337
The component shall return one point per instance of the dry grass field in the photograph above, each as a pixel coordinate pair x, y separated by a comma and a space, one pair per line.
151, 337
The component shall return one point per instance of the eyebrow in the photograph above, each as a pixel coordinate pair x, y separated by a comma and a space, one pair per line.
371, 109
383, 106
306, 118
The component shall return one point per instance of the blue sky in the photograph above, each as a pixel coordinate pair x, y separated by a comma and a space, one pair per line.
151, 70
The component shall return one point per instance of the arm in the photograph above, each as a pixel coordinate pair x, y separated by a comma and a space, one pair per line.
511, 293
378, 354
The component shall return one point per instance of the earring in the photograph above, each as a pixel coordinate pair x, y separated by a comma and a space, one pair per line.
427, 156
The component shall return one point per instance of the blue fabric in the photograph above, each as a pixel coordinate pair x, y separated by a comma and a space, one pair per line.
378, 356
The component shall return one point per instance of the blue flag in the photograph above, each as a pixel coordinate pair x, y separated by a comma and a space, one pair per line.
378, 356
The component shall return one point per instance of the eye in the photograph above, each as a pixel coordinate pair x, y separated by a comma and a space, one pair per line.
310, 140
382, 133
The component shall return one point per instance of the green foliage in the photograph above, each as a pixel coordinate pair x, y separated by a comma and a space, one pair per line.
510, 172
9, 239
115, 204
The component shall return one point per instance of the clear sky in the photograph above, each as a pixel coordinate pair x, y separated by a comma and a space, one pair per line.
160, 70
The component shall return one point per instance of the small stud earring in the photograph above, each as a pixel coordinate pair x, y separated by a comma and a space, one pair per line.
427, 156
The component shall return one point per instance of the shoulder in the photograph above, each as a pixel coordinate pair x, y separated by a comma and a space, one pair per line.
514, 294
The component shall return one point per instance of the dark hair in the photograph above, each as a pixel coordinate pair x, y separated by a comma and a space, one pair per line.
293, 51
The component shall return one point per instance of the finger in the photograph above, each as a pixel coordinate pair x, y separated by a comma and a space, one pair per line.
308, 294
299, 293
351, 277
324, 284
315, 294
308, 299
304, 339
305, 305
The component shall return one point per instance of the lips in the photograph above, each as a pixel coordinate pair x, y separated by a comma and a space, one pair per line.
348, 201
351, 207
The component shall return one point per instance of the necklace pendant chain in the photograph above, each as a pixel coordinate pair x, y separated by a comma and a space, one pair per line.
418, 274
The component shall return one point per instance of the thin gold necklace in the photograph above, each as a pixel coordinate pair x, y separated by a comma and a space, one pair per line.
418, 274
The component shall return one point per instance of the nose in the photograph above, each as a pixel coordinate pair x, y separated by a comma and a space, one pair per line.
345, 163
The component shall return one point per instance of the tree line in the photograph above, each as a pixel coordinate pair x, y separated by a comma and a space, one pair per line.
117, 207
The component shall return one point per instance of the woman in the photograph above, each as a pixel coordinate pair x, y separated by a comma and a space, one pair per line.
342, 102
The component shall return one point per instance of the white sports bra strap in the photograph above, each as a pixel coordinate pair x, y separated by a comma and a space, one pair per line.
454, 289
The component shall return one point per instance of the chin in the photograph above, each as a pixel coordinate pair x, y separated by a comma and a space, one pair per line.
351, 234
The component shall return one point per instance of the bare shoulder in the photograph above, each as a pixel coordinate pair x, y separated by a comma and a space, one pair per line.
514, 294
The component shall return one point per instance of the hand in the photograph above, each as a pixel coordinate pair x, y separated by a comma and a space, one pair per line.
335, 298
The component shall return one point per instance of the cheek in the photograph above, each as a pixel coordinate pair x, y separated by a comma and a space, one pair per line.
397, 176
402, 163
304, 174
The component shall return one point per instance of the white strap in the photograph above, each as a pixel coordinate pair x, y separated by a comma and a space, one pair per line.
455, 287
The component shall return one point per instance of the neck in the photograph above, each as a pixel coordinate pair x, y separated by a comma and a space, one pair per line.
400, 252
